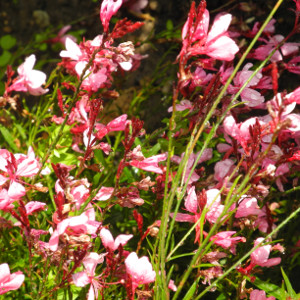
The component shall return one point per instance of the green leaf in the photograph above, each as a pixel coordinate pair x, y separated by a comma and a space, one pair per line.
269, 288
5, 58
191, 291
7, 42
65, 158
21, 131
153, 151
181, 255
169, 25
289, 287
8, 138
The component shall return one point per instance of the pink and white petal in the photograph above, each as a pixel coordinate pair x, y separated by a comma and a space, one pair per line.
72, 50
27, 66
191, 202
183, 217
224, 48
81, 279
91, 293
104, 193
15, 281
4, 272
107, 239
271, 262
122, 239
34, 206
91, 261
16, 190
36, 78
219, 27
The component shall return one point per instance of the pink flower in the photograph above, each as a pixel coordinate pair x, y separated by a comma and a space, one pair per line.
215, 208
78, 225
9, 282
34, 206
5, 200
104, 193
15, 166
260, 256
216, 43
260, 295
210, 274
172, 286
206, 155
93, 80
223, 168
213, 204
107, 10
29, 80
87, 276
72, 51
225, 240
183, 105
109, 242
247, 207
118, 124
139, 269
150, 164
249, 95
79, 190
263, 51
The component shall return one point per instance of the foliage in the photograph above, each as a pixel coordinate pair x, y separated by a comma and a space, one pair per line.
92, 205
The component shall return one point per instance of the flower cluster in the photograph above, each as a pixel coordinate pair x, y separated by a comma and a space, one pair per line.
233, 139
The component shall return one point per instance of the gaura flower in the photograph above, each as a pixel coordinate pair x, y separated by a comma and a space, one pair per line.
9, 282
29, 80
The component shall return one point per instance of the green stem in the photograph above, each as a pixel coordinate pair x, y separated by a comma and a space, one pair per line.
282, 224
71, 105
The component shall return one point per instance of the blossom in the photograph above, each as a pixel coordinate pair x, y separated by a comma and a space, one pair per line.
104, 193
78, 225
249, 95
247, 206
15, 166
9, 282
139, 269
34, 206
206, 155
118, 124
92, 80
260, 256
29, 80
72, 51
263, 51
5, 200
212, 203
107, 10
137, 5
223, 169
183, 105
150, 164
260, 295
109, 242
87, 276
216, 43
225, 240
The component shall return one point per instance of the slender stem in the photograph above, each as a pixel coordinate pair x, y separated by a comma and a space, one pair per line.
282, 224
71, 105
208, 116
